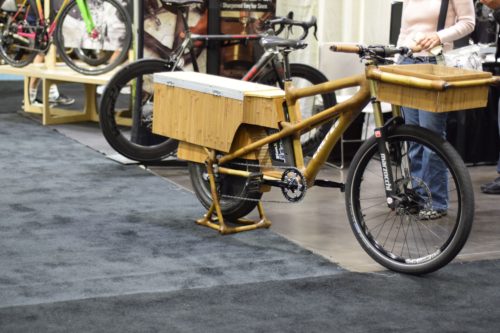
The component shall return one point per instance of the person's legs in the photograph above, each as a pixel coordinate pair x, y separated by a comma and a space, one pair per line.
415, 151
434, 171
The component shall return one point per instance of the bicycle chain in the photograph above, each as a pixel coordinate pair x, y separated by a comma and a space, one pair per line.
266, 201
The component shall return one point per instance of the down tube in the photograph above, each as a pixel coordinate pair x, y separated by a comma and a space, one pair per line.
326, 146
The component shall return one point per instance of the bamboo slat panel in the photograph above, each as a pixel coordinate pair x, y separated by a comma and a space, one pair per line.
212, 120
245, 135
451, 99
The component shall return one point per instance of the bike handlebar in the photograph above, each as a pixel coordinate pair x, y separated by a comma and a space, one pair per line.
288, 22
377, 50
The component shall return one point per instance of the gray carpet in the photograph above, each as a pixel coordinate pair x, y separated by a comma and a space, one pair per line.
11, 93
458, 298
75, 225
88, 245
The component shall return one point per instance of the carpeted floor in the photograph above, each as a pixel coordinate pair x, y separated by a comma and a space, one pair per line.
458, 298
88, 245
76, 225
11, 94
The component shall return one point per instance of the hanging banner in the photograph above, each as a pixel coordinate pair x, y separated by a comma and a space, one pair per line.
249, 5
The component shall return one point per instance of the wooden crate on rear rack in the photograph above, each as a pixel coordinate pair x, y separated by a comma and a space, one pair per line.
467, 89
202, 110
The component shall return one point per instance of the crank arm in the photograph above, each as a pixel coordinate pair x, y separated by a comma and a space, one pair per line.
275, 183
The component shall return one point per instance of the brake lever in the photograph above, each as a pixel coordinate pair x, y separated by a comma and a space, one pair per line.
315, 31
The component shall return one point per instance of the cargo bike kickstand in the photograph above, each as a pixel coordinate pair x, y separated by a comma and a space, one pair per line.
228, 142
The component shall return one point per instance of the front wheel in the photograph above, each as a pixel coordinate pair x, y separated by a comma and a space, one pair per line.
105, 47
434, 201
126, 112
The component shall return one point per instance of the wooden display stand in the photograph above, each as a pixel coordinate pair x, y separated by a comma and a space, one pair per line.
49, 76
50, 73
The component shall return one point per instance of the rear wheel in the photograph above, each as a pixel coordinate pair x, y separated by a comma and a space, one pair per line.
434, 210
236, 199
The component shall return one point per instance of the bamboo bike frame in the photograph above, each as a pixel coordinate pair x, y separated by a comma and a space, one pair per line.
344, 112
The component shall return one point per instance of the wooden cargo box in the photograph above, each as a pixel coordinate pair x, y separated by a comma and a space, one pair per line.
455, 98
207, 110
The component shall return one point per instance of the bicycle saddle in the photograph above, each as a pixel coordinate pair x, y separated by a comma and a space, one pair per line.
182, 2
270, 42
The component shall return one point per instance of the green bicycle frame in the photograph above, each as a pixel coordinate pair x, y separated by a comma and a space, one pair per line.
84, 10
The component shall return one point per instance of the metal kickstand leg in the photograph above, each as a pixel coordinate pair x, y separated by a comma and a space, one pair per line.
217, 222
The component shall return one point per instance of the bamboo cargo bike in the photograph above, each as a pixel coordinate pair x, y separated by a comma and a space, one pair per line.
243, 138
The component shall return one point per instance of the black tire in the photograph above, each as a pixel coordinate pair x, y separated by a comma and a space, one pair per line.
113, 34
302, 76
93, 58
151, 147
15, 51
399, 239
232, 208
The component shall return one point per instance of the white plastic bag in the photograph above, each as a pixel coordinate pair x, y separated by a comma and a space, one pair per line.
466, 57
8, 5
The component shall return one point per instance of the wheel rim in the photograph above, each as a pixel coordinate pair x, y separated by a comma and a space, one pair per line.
125, 110
402, 235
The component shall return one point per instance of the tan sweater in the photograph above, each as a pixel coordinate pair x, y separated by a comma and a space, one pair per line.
421, 16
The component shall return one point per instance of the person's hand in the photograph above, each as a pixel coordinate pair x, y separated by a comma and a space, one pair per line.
428, 41
493, 4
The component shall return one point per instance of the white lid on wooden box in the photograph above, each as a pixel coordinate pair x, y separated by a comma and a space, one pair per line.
217, 85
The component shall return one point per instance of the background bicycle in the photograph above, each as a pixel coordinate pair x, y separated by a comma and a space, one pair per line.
100, 32
115, 104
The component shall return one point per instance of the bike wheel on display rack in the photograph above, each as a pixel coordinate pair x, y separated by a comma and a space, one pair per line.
125, 107
431, 218
304, 76
16, 50
236, 198
102, 49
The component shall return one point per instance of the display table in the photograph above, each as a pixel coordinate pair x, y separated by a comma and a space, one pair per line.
59, 73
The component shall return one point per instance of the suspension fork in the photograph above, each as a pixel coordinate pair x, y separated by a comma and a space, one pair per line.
381, 133
84, 10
